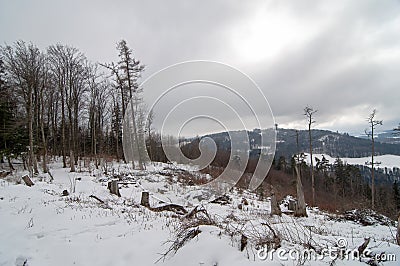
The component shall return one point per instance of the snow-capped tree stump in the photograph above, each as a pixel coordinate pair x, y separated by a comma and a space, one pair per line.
145, 201
27, 180
398, 231
243, 242
113, 187
292, 205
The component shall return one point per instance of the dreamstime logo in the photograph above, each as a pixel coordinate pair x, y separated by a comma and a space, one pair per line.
340, 251
201, 98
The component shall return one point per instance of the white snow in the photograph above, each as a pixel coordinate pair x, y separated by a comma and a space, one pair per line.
388, 160
40, 227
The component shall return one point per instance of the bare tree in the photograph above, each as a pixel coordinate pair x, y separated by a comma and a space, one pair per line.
372, 124
44, 103
25, 66
301, 203
309, 113
99, 92
149, 124
69, 66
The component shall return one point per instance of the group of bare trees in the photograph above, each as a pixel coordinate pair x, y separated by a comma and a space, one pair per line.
309, 113
63, 104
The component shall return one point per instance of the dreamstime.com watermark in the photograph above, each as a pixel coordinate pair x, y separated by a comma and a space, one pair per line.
340, 251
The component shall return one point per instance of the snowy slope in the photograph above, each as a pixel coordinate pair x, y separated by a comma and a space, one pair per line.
38, 226
387, 160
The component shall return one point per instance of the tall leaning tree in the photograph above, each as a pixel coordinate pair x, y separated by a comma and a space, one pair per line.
131, 69
127, 71
372, 125
309, 113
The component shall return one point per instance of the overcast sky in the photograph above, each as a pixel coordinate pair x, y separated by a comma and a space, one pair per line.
341, 57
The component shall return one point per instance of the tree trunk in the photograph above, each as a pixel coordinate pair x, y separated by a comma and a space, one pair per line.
312, 165
63, 128
136, 137
32, 158
44, 161
373, 172
10, 163
301, 204
275, 209
72, 160
398, 231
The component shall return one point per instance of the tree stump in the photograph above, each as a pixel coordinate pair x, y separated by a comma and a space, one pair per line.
292, 205
275, 209
27, 180
113, 187
145, 201
243, 242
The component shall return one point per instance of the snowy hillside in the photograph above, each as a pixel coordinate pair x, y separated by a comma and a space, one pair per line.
90, 226
387, 160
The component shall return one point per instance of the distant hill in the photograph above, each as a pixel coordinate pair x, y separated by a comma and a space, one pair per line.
385, 137
324, 141
333, 143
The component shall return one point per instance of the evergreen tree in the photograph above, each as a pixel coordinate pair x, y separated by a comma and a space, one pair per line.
13, 134
396, 194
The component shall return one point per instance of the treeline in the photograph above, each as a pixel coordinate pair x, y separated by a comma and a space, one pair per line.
56, 102
338, 185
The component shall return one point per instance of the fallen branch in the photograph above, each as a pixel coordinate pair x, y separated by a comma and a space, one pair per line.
182, 238
170, 207
93, 196
363, 246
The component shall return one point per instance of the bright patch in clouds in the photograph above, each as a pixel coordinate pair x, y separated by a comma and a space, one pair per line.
267, 34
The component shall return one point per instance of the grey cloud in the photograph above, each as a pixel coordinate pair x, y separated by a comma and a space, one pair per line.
350, 64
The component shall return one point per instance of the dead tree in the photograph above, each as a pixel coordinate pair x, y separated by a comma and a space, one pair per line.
301, 203
275, 209
130, 72
309, 113
372, 124
398, 231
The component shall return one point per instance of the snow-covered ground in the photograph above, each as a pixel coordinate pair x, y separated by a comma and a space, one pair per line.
39, 226
388, 160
